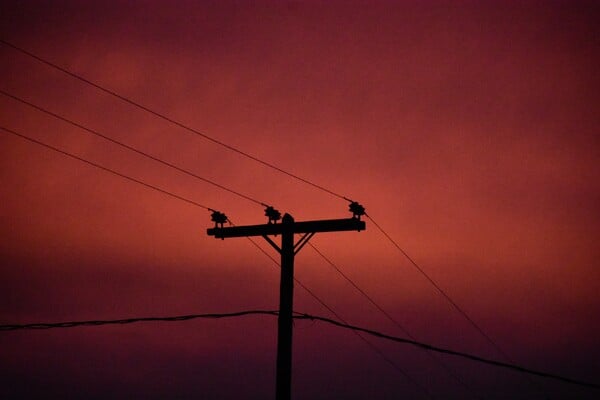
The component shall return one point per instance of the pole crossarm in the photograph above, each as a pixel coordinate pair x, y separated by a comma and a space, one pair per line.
327, 225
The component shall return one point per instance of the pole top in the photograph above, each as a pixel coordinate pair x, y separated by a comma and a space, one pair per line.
287, 219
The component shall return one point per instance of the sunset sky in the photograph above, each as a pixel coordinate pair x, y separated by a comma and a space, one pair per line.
467, 129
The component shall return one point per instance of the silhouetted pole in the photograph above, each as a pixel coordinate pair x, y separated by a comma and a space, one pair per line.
286, 300
287, 228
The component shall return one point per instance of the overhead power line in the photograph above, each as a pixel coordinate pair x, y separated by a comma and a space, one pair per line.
446, 368
442, 350
103, 168
254, 158
181, 125
449, 299
245, 154
189, 173
147, 185
131, 148
128, 147
170, 120
300, 316
439, 289
137, 151
124, 321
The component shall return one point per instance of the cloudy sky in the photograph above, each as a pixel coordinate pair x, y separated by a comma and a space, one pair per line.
468, 130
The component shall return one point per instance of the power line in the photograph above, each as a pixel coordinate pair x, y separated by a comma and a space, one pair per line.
303, 316
131, 148
170, 120
439, 289
442, 350
128, 147
392, 319
181, 125
234, 149
449, 299
254, 158
73, 324
137, 151
186, 127
374, 348
300, 316
105, 168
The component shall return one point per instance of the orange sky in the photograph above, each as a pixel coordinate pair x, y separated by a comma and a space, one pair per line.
469, 131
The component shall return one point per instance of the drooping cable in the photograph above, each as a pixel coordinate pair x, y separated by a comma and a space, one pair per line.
441, 363
301, 316
124, 321
439, 289
449, 299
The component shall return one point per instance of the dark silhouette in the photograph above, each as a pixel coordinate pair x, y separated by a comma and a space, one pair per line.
287, 228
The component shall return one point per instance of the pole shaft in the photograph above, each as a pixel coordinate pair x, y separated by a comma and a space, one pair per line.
286, 298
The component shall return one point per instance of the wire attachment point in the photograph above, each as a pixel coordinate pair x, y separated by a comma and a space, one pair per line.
272, 214
218, 218
357, 210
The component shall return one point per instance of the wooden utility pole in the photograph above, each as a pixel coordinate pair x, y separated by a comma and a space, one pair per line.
287, 229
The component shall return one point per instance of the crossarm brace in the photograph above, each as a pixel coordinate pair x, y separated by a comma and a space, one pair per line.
298, 246
272, 243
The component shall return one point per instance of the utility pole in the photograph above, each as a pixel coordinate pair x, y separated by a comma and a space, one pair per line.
287, 229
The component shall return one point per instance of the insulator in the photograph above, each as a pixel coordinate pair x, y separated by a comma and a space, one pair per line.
272, 214
218, 218
356, 209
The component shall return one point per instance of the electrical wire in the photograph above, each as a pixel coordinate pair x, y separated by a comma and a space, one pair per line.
137, 151
129, 147
192, 130
199, 205
439, 289
254, 158
301, 316
234, 149
449, 371
170, 120
73, 324
449, 299
105, 168
374, 348
472, 357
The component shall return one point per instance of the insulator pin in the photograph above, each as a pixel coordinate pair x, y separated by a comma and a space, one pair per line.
272, 214
356, 209
218, 218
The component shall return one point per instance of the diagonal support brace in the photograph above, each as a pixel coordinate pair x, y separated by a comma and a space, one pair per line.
272, 243
298, 246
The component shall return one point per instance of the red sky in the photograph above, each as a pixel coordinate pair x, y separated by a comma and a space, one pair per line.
469, 131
